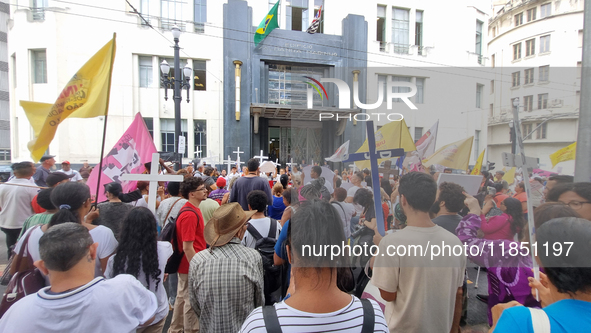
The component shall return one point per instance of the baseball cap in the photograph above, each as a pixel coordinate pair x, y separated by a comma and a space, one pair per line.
66, 162
221, 182
56, 177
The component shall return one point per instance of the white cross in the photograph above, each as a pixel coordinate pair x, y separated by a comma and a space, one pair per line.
238, 152
229, 161
291, 165
198, 152
277, 163
261, 157
153, 178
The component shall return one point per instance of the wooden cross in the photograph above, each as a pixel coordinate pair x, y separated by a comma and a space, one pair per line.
238, 152
229, 161
261, 157
387, 170
153, 178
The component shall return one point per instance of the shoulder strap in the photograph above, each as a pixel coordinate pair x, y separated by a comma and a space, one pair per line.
170, 210
273, 228
189, 209
25, 248
343, 209
254, 232
271, 321
539, 320
369, 316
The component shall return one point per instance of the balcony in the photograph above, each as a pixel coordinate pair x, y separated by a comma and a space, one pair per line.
38, 13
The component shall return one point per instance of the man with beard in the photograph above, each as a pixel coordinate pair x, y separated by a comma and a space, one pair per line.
450, 201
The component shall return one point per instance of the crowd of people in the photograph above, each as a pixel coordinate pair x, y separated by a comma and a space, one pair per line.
228, 252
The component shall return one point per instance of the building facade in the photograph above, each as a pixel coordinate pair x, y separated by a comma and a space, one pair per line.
5, 156
535, 48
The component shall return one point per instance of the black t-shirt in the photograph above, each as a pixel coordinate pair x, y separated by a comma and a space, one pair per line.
448, 222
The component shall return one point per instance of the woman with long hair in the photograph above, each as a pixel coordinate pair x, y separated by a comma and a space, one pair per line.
141, 254
74, 205
506, 225
317, 304
114, 210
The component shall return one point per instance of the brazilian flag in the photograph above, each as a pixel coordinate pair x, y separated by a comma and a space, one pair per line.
267, 24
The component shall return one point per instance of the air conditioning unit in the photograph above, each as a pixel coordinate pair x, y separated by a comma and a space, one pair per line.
555, 103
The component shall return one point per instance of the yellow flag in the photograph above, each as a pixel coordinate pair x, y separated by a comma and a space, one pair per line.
565, 154
393, 135
478, 166
510, 176
454, 155
85, 96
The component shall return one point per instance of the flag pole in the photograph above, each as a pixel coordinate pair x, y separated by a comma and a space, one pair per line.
100, 166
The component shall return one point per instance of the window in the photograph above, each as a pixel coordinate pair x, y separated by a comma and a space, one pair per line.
418, 133
530, 47
317, 5
199, 75
167, 133
517, 51
476, 143
5, 155
492, 58
525, 130
542, 101
531, 14
529, 76
545, 10
541, 131
38, 9
419, 31
518, 19
545, 44
580, 40
492, 86
478, 46
200, 15
172, 14
420, 96
145, 71
400, 24
494, 32
479, 88
150, 125
381, 27
491, 111
398, 89
544, 73
515, 79
170, 62
297, 15
528, 103
200, 136
14, 70
145, 7
39, 66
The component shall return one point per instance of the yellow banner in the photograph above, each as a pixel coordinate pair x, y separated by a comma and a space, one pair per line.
478, 166
510, 176
393, 135
565, 154
85, 96
454, 155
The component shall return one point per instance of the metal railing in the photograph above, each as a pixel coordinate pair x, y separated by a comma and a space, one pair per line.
38, 13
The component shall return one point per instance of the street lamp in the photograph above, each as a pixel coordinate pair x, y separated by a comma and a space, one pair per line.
177, 84
513, 124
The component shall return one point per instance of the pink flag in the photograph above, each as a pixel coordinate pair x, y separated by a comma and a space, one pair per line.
127, 156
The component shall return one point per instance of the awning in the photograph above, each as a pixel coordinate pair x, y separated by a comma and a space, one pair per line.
297, 112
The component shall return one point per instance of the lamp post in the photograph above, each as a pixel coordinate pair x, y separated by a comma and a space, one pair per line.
177, 84
512, 125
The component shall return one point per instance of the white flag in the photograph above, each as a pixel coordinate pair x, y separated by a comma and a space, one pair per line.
341, 154
426, 144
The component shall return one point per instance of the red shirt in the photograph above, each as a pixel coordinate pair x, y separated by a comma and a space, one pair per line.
189, 229
36, 208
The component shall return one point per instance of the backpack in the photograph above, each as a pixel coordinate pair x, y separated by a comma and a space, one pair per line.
266, 247
169, 234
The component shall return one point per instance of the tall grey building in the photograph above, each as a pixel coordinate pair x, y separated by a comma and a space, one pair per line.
4, 85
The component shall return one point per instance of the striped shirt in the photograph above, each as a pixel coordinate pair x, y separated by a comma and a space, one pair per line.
348, 319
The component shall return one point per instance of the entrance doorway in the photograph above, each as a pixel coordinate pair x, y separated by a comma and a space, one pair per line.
300, 143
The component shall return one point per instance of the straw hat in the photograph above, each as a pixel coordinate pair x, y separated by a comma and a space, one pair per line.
224, 223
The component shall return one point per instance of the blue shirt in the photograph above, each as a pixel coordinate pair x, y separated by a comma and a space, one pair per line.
280, 250
276, 210
565, 316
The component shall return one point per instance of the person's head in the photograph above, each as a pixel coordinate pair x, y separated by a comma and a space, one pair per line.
85, 164
174, 188
316, 172
277, 189
209, 184
227, 222
138, 247
520, 188
232, 183
193, 189
417, 192
385, 184
47, 161
364, 198
281, 171
257, 200
284, 180
310, 192
447, 170
499, 187
23, 169
568, 272
66, 166
512, 207
555, 180
112, 190
485, 175
200, 168
233, 169
253, 165
56, 178
552, 210
357, 178
220, 182
286, 197
72, 199
67, 247
340, 194
366, 172
224, 173
575, 195
450, 198
143, 186
208, 171
499, 175
297, 180
244, 170
44, 199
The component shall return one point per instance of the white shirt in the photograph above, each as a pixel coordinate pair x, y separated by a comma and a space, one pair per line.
76, 174
346, 211
107, 244
120, 304
164, 252
165, 207
15, 202
351, 193
262, 226
348, 319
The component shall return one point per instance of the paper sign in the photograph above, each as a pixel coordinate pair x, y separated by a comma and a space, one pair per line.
182, 145
470, 183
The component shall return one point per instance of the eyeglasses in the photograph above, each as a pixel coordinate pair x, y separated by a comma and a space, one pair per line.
576, 205
200, 189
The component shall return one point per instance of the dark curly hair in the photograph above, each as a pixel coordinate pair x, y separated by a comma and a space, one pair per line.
363, 197
189, 185
453, 196
516, 212
138, 246
257, 200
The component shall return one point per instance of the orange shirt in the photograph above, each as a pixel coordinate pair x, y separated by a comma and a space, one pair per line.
521, 197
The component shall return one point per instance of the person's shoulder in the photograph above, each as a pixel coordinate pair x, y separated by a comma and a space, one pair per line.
255, 321
514, 319
101, 231
164, 245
